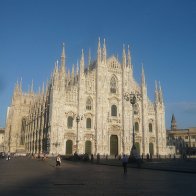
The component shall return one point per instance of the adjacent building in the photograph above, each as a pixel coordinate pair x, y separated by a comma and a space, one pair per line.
84, 110
181, 138
2, 137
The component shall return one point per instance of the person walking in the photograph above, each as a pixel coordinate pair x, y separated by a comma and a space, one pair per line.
58, 160
8, 156
124, 163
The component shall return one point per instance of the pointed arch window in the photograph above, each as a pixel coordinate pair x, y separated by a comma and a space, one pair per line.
113, 85
150, 127
22, 139
88, 123
70, 122
88, 104
136, 126
114, 110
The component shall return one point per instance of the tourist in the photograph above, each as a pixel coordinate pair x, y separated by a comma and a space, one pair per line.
124, 163
58, 160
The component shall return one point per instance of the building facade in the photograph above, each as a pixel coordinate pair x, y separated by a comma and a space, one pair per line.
85, 111
181, 138
2, 138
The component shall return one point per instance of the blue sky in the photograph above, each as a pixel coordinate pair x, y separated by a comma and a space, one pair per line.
161, 33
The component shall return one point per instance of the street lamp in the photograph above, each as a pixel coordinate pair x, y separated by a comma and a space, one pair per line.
78, 118
132, 97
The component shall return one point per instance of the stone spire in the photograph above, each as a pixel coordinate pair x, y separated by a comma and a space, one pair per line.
68, 75
63, 69
143, 76
129, 58
89, 56
17, 88
72, 74
104, 52
156, 93
20, 87
55, 68
173, 123
99, 52
160, 93
77, 69
55, 74
82, 63
143, 85
124, 57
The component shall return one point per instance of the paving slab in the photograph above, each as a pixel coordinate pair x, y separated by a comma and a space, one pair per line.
29, 177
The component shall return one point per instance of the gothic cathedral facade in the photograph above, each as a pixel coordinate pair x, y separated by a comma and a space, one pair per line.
86, 111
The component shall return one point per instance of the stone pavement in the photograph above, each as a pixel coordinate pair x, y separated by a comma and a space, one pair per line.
174, 165
29, 177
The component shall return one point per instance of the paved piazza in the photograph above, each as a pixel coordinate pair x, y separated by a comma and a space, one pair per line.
25, 176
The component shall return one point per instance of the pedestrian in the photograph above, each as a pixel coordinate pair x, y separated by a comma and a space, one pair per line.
124, 163
150, 156
8, 156
58, 160
98, 158
92, 158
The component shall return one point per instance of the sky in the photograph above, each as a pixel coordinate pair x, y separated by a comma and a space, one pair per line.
161, 35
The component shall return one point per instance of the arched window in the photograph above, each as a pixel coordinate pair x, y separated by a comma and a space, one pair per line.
113, 85
22, 139
151, 148
88, 123
88, 104
114, 110
69, 146
88, 146
137, 126
150, 127
137, 145
69, 122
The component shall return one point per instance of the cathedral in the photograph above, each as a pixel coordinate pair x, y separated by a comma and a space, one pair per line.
85, 110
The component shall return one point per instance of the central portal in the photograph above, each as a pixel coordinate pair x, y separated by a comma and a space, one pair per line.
113, 145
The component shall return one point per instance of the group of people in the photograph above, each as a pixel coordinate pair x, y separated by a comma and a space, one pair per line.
134, 155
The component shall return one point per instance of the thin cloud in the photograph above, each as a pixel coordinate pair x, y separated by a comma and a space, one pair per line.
185, 113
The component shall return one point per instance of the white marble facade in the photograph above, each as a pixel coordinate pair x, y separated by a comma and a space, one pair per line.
45, 122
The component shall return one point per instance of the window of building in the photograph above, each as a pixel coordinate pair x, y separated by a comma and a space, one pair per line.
88, 104
22, 138
114, 110
88, 123
136, 126
69, 122
113, 85
150, 127
136, 109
